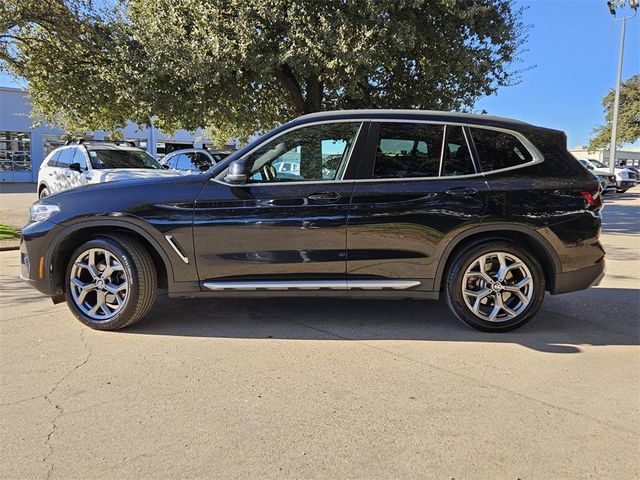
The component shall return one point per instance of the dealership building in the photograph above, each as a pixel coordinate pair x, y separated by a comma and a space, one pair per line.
629, 156
23, 145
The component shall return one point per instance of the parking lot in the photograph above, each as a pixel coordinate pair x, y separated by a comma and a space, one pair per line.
327, 388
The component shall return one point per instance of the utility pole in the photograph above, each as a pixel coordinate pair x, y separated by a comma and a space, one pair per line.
616, 102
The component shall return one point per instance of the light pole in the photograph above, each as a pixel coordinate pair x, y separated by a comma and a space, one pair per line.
616, 102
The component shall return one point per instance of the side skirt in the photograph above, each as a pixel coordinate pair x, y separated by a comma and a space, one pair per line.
236, 286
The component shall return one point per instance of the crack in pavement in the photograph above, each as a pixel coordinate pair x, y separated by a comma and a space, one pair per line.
58, 408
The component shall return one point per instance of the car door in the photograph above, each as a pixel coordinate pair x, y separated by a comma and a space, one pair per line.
418, 186
280, 230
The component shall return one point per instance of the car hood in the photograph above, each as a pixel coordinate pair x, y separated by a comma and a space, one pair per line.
126, 197
117, 174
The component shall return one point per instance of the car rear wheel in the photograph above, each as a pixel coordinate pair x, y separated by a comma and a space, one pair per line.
110, 282
496, 286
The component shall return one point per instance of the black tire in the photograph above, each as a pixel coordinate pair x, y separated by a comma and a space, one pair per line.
455, 276
44, 193
140, 271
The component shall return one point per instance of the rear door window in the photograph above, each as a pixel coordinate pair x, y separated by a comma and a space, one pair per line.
457, 156
497, 150
408, 150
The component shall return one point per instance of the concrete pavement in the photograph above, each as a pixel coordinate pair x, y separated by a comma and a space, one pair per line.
327, 388
16, 200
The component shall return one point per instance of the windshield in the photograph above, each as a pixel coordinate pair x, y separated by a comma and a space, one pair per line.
598, 164
101, 159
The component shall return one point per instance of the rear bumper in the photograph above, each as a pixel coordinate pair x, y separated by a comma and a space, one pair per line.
579, 279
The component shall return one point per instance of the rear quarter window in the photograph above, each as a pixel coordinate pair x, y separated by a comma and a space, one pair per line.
498, 150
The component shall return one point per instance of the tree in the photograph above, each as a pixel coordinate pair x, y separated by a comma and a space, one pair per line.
628, 116
239, 67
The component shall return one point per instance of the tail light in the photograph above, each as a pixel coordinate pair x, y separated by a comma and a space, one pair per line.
593, 199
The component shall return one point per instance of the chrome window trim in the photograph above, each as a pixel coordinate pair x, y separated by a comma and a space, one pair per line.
221, 175
535, 153
444, 143
536, 156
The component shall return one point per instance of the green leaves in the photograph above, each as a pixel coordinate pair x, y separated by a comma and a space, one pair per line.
237, 66
628, 116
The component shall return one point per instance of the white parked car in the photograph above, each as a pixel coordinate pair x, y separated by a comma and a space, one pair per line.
625, 178
82, 163
193, 160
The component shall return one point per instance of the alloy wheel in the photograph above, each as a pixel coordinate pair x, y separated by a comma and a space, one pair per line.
497, 287
99, 284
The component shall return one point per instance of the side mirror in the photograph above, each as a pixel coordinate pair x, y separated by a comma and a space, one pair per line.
165, 166
75, 167
237, 172
590, 167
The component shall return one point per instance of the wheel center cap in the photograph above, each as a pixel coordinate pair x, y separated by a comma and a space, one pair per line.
497, 287
100, 284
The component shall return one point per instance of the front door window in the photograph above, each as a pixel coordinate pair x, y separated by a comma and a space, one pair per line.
309, 154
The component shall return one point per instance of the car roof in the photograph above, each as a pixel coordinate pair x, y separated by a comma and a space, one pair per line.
182, 150
108, 146
433, 115
101, 146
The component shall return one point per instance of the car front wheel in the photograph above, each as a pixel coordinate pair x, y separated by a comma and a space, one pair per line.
495, 286
110, 282
44, 193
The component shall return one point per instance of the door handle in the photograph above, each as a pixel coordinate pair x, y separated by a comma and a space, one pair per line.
324, 197
462, 191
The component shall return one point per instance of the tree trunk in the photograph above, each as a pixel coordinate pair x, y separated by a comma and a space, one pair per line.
291, 85
313, 102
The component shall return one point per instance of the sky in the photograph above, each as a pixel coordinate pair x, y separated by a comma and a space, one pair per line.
570, 62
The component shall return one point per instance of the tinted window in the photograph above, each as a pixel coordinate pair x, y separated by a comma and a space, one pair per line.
79, 158
498, 150
315, 153
408, 150
457, 157
66, 157
112, 158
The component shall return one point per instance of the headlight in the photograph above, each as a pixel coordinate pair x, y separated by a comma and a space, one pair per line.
39, 212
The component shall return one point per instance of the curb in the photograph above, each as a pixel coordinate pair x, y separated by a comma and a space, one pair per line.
9, 244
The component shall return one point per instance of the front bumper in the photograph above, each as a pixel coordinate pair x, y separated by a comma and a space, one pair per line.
626, 184
579, 279
35, 261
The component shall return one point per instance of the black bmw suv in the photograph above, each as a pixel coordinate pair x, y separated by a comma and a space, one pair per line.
487, 213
